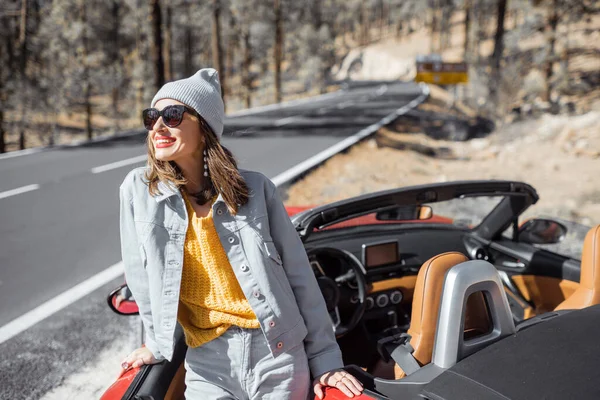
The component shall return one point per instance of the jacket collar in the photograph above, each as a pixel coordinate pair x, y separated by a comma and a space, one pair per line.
168, 190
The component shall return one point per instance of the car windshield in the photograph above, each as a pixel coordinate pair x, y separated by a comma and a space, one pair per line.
467, 212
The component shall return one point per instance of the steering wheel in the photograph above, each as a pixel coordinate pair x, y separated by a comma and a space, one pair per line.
331, 291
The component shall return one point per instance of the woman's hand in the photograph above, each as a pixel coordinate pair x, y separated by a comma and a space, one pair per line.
339, 379
137, 358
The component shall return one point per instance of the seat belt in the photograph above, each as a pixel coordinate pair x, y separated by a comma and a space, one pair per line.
397, 347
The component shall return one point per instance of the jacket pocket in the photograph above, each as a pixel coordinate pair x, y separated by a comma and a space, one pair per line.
143, 230
143, 256
272, 252
277, 269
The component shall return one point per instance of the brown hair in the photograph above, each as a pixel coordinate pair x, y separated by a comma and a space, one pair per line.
223, 174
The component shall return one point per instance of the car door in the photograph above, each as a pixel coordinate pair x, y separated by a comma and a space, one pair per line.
536, 279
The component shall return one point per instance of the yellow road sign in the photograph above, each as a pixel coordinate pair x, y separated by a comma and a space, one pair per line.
442, 73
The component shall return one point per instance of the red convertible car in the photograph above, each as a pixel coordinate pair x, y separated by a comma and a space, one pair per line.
441, 292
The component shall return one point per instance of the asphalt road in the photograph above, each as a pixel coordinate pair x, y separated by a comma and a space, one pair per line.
66, 229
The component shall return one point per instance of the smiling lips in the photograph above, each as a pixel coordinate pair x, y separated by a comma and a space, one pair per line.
164, 141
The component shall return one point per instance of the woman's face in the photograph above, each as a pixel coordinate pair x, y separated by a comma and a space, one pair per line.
183, 142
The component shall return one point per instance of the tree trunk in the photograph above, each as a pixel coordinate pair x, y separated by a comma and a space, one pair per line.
467, 28
552, 24
481, 28
498, 50
364, 25
217, 53
231, 49
86, 72
10, 49
188, 52
567, 56
246, 79
188, 44
2, 105
381, 18
278, 49
139, 81
387, 19
2, 140
157, 45
317, 15
167, 49
22, 71
35, 14
447, 11
23, 24
434, 26
115, 61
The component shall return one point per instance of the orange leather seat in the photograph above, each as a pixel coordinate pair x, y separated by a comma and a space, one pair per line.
588, 292
426, 304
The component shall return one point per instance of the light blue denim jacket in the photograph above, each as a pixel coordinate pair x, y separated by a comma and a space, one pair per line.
265, 252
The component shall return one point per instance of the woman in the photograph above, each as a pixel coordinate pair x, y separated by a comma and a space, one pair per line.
210, 250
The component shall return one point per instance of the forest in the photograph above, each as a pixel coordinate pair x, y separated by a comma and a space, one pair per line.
88, 67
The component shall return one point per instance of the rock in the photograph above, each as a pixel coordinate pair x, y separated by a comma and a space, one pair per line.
479, 144
581, 144
564, 136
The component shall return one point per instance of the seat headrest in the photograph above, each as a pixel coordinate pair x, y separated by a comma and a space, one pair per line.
426, 305
588, 292
590, 260
428, 293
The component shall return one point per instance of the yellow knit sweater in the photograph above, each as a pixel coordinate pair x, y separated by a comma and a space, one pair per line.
211, 299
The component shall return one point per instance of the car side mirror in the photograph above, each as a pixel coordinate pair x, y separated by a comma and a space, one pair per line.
542, 231
405, 213
121, 301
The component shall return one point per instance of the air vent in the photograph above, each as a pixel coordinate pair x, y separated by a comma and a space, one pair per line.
396, 297
382, 300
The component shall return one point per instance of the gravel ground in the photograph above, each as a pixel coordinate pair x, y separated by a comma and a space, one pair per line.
73, 354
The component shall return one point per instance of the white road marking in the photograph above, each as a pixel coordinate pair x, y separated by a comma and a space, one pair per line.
381, 90
59, 302
18, 153
345, 104
271, 107
119, 164
22, 189
285, 121
292, 173
76, 143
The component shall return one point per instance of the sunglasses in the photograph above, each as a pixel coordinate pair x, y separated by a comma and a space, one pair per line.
171, 115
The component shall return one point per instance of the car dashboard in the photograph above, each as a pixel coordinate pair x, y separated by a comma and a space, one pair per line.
388, 253
390, 258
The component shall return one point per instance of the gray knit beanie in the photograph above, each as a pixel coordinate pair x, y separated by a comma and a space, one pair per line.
202, 92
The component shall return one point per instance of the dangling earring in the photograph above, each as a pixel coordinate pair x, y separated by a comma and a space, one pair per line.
205, 164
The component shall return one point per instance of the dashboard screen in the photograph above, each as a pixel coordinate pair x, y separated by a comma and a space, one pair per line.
375, 255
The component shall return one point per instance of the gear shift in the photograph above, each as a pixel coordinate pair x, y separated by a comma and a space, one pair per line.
392, 319
392, 323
